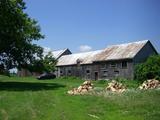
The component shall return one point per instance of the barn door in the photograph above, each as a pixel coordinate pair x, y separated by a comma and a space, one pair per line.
96, 75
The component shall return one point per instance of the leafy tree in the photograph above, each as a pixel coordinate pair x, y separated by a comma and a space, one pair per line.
148, 70
17, 33
36, 66
49, 62
45, 64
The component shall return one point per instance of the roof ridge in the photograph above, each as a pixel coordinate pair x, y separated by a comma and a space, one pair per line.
82, 52
141, 41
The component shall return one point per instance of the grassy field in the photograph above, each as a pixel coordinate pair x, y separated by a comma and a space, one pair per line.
30, 99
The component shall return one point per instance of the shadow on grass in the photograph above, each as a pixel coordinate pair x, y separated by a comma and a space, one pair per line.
28, 86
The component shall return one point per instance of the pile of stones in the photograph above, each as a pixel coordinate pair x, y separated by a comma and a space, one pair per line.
82, 89
115, 86
150, 84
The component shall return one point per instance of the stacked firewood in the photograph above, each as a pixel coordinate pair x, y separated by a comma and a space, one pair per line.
115, 86
150, 84
82, 89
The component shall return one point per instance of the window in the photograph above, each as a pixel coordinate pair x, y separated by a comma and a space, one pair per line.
61, 72
88, 71
113, 65
124, 64
103, 66
116, 72
104, 73
69, 72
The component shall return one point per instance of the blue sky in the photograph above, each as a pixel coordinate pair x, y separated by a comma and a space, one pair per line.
94, 24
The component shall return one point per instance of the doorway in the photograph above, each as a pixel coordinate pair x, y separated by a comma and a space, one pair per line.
96, 75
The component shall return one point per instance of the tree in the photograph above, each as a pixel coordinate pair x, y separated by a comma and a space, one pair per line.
17, 33
148, 70
45, 64
49, 63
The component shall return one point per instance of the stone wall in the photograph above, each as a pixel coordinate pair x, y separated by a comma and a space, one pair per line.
100, 70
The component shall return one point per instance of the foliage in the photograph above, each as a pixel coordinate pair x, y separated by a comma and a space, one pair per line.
148, 70
45, 64
17, 32
49, 63
36, 66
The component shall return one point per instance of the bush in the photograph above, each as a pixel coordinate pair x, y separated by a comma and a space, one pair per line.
148, 70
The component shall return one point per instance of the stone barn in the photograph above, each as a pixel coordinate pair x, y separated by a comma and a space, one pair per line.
111, 62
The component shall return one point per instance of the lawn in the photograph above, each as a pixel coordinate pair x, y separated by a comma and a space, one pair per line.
31, 99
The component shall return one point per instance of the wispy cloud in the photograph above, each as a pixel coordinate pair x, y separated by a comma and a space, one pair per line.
85, 48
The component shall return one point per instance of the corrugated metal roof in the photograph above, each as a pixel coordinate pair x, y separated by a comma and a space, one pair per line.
83, 58
114, 52
122, 51
58, 53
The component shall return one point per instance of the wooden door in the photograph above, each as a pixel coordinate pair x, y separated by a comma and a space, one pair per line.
96, 75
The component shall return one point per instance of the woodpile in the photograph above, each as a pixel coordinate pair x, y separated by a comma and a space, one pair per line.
150, 84
114, 86
82, 89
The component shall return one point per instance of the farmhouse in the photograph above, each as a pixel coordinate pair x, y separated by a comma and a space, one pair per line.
113, 61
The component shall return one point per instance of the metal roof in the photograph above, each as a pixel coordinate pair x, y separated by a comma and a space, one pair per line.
114, 52
122, 51
58, 53
83, 58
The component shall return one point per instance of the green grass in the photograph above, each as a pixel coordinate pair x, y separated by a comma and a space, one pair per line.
30, 99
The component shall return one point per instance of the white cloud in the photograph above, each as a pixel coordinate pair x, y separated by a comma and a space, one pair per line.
85, 48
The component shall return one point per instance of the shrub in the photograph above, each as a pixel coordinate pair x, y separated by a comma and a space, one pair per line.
148, 70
